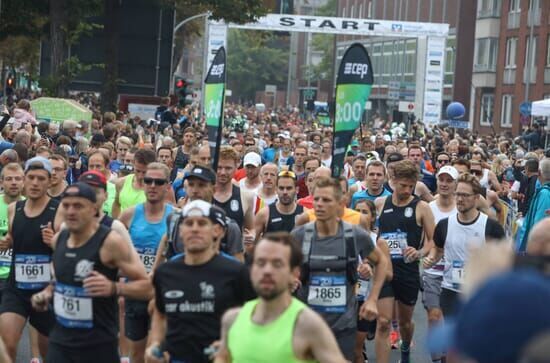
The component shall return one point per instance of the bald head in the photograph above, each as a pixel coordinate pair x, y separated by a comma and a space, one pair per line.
322, 172
538, 243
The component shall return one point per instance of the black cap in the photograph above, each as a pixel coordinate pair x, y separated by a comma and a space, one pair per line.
218, 215
81, 190
393, 157
203, 173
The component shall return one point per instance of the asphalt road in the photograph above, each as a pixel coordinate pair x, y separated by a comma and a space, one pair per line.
418, 352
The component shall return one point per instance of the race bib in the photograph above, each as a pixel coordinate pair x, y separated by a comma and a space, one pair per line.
457, 273
72, 307
32, 272
147, 256
397, 243
363, 289
327, 294
5, 258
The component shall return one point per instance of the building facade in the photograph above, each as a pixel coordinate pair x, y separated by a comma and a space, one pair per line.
508, 71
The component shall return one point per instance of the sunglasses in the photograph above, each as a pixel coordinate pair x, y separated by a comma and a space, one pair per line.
476, 172
287, 174
443, 161
150, 181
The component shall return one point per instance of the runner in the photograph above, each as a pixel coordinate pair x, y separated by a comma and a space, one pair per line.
456, 235
181, 157
380, 328
58, 182
86, 259
130, 189
146, 223
374, 183
403, 222
252, 183
280, 216
123, 145
267, 194
443, 206
30, 264
12, 177
193, 291
331, 249
276, 327
200, 184
237, 204
358, 166
98, 161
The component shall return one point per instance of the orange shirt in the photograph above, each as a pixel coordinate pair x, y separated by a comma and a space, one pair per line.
350, 216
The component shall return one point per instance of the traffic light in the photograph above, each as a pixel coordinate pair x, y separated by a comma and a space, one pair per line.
181, 89
10, 84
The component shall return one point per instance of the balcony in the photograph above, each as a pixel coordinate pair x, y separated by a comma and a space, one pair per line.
547, 74
533, 17
483, 68
533, 75
513, 20
509, 76
488, 13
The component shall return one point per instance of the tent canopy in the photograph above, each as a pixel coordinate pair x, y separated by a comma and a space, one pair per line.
58, 110
541, 108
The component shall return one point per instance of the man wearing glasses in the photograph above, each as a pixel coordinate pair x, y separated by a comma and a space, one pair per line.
146, 223
456, 235
441, 160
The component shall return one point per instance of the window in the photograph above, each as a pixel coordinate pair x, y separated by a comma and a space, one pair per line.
486, 112
369, 10
360, 15
515, 6
488, 8
352, 11
511, 46
548, 51
486, 54
534, 5
531, 52
506, 111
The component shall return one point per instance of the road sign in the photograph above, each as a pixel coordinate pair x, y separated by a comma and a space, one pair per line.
270, 88
405, 106
457, 124
525, 108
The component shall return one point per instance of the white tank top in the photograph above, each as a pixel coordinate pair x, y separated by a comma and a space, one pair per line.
484, 181
242, 185
460, 238
438, 268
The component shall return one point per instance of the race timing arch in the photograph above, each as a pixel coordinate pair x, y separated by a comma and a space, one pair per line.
431, 40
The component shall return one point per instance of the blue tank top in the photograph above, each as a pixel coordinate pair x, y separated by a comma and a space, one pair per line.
147, 235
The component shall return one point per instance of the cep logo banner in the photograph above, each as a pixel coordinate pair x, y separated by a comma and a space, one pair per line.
214, 97
353, 87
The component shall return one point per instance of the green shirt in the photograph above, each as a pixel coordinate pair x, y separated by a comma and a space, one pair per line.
111, 194
5, 256
129, 196
249, 342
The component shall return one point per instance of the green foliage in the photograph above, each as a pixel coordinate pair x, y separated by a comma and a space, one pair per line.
325, 44
231, 11
255, 58
68, 70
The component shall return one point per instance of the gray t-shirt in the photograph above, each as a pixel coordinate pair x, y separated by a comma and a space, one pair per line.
330, 246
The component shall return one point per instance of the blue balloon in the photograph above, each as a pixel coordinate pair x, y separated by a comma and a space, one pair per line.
455, 111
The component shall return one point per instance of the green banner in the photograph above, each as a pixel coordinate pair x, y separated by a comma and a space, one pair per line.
350, 105
213, 103
353, 87
214, 95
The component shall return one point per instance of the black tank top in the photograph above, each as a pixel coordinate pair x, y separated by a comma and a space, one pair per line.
106, 221
395, 220
82, 320
30, 253
233, 206
181, 158
281, 222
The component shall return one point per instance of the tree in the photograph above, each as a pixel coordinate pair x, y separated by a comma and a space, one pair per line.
256, 58
325, 44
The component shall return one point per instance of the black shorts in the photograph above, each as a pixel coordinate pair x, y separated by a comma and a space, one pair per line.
136, 320
405, 289
104, 353
450, 302
2, 287
364, 325
15, 302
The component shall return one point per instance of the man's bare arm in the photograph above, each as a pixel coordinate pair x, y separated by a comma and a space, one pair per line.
320, 340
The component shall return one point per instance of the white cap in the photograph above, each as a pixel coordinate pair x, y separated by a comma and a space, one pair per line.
447, 169
252, 158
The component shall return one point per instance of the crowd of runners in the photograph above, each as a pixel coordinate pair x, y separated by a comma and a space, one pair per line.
120, 242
